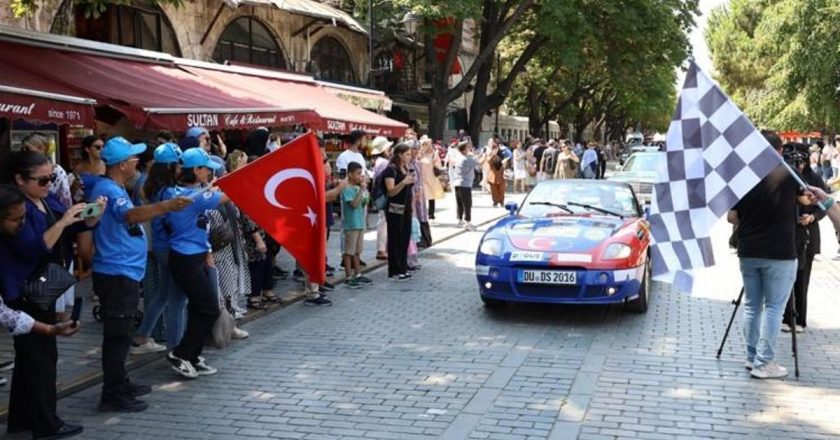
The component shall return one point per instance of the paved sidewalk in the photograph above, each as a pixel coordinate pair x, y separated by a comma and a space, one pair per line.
79, 356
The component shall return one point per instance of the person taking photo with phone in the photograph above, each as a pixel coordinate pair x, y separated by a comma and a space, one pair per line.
42, 235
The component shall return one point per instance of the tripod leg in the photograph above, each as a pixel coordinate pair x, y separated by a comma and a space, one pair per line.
792, 319
737, 303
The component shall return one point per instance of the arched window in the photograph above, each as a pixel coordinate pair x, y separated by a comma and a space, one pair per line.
246, 40
331, 62
133, 25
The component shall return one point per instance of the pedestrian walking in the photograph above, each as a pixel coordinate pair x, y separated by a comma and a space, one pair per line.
567, 163
463, 175
398, 181
421, 202
589, 162
520, 166
432, 168
496, 176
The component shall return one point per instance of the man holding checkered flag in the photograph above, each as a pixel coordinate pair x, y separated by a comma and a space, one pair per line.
716, 162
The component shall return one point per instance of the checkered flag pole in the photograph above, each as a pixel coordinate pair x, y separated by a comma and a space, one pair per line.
715, 156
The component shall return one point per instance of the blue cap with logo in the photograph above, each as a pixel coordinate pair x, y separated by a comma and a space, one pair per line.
197, 132
197, 157
168, 153
118, 149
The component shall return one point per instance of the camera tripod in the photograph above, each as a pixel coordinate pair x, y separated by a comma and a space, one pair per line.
791, 318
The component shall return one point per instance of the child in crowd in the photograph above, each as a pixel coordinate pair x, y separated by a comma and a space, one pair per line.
354, 200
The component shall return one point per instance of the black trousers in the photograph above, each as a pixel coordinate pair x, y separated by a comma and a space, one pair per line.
33, 394
432, 209
399, 232
118, 298
261, 275
800, 292
190, 274
463, 198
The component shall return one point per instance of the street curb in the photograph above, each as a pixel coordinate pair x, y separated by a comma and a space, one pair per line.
86, 381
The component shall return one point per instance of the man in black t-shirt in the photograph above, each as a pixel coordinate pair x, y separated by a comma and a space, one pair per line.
538, 155
766, 219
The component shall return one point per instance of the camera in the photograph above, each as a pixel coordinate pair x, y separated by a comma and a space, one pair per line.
135, 230
795, 154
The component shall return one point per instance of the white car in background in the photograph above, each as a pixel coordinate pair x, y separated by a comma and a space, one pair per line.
640, 172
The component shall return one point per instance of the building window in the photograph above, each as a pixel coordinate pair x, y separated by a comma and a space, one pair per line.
331, 62
138, 25
246, 40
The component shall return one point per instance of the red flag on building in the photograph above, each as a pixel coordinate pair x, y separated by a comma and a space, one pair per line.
283, 192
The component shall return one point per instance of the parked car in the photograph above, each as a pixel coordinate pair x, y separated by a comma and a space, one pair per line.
640, 172
630, 149
572, 241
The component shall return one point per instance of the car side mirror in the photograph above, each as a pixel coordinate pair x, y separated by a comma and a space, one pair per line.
512, 207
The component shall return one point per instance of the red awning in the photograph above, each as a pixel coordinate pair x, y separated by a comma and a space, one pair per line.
335, 114
25, 96
151, 95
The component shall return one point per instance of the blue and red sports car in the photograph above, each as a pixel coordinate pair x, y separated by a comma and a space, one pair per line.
572, 242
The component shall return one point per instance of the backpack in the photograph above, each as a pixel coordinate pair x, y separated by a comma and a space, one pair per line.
551, 161
378, 193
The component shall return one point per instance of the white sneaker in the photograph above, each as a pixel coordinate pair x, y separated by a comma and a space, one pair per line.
836, 257
202, 369
800, 329
785, 328
238, 333
770, 370
460, 223
150, 346
181, 366
468, 226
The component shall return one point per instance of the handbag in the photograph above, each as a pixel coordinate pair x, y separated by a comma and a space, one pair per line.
396, 208
221, 234
223, 327
46, 284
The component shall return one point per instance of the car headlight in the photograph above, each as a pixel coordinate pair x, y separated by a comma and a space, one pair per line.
491, 246
617, 251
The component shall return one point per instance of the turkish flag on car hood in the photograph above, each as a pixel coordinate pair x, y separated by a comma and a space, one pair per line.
283, 192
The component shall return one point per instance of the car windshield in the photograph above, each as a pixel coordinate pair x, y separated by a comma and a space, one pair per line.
643, 162
566, 197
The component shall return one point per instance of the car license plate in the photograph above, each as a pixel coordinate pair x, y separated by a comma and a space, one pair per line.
547, 277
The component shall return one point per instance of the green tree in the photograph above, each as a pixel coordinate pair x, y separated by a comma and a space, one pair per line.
93, 8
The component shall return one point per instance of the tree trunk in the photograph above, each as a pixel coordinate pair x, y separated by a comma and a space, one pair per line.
437, 118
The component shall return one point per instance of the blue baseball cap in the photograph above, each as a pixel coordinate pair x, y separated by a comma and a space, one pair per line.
197, 157
168, 153
118, 149
195, 132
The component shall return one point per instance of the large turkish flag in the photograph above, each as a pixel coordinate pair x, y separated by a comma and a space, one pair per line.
283, 192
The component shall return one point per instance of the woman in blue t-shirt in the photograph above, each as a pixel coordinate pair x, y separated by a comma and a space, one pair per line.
190, 261
162, 184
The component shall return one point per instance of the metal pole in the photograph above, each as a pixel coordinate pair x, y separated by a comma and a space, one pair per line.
498, 74
370, 44
736, 303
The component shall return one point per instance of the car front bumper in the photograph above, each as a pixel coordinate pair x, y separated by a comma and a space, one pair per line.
593, 286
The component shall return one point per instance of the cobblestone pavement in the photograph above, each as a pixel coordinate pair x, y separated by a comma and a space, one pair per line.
424, 360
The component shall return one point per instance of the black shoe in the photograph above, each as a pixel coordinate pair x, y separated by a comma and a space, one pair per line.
66, 430
137, 389
362, 263
298, 275
331, 269
126, 404
329, 287
320, 301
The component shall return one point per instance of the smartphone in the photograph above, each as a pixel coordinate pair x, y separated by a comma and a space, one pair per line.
91, 210
342, 174
77, 311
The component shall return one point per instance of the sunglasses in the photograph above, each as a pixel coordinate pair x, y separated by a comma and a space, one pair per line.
44, 180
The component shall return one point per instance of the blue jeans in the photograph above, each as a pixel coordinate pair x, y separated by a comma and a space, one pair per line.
767, 286
171, 298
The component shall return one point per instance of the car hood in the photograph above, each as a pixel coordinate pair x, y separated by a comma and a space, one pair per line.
569, 234
634, 176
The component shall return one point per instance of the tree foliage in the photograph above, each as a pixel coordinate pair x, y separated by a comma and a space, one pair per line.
93, 8
616, 67
780, 61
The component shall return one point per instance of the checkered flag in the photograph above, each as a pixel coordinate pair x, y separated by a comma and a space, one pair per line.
715, 156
